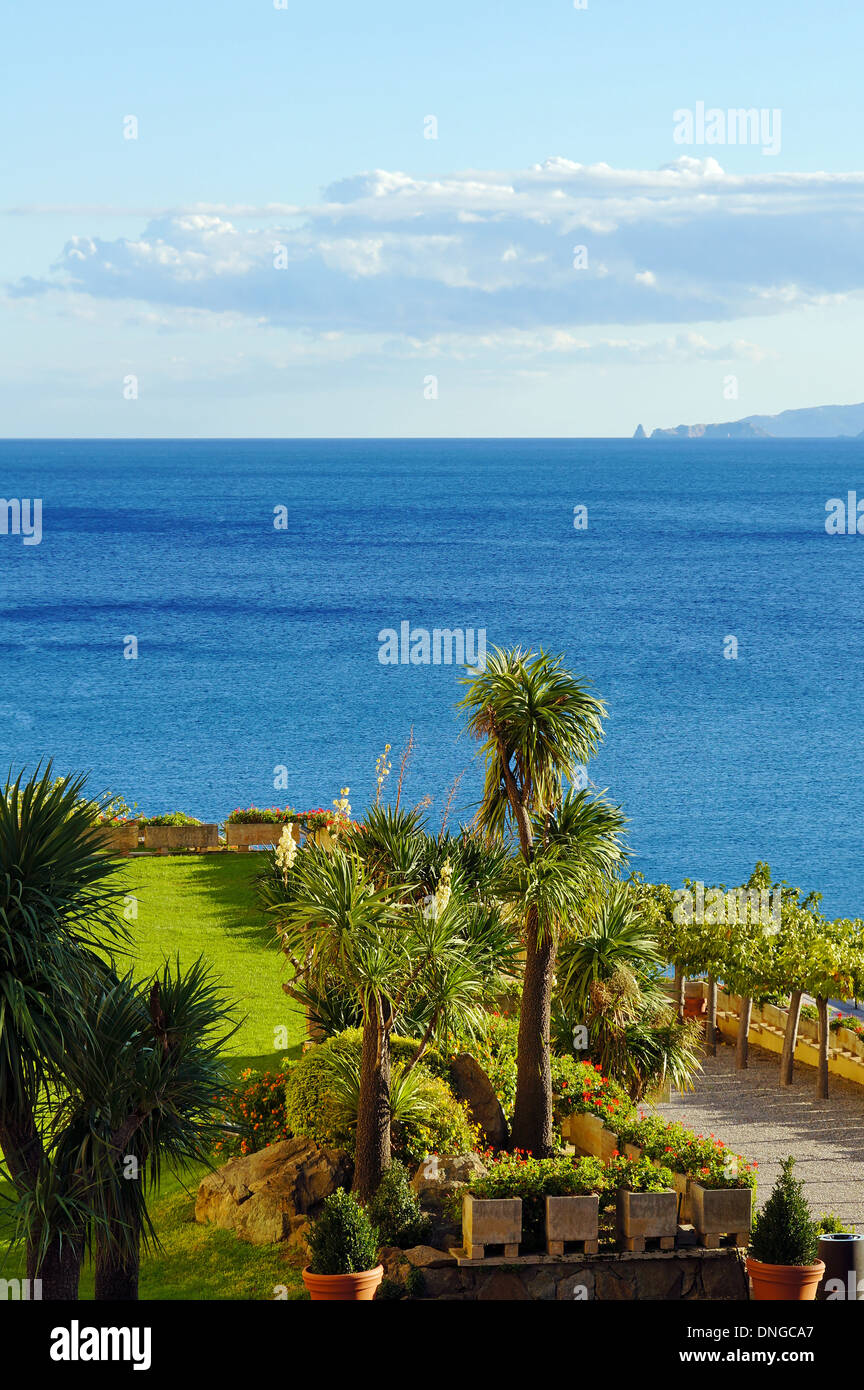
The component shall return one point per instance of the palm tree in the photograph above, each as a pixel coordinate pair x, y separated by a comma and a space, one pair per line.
59, 917
400, 956
537, 724
144, 1095
610, 977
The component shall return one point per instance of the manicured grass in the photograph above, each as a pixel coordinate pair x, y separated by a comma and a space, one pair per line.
205, 905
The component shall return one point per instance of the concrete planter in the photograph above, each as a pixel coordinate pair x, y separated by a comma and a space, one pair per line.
848, 1041
321, 837
588, 1133
716, 1211
572, 1219
642, 1216
166, 837
491, 1221
258, 833
633, 1151
120, 837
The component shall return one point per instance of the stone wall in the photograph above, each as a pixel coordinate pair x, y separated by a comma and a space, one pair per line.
704, 1275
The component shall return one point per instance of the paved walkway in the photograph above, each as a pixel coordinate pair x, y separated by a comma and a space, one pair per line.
755, 1116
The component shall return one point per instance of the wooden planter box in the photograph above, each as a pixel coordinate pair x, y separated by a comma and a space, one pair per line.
121, 837
642, 1216
258, 833
572, 1219
588, 1133
721, 1211
493, 1221
165, 837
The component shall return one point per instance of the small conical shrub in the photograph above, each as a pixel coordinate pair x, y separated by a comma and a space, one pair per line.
343, 1239
784, 1232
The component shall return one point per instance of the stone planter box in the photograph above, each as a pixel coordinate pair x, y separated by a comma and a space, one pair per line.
642, 1216
848, 1041
166, 837
572, 1219
633, 1151
717, 1211
588, 1133
258, 833
120, 838
491, 1221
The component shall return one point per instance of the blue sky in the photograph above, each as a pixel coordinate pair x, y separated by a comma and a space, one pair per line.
426, 286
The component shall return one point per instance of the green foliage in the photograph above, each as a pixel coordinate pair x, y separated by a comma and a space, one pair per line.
784, 1232
256, 815
395, 1210
343, 1240
830, 1225
494, 1048
322, 1092
580, 1088
637, 1175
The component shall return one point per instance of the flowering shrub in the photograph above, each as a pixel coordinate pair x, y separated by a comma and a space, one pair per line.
169, 818
580, 1088
850, 1021
257, 1110
707, 1159
255, 815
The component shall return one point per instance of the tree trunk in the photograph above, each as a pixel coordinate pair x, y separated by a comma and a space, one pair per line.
711, 1017
822, 1066
678, 992
742, 1045
59, 1271
372, 1154
116, 1275
790, 1038
532, 1114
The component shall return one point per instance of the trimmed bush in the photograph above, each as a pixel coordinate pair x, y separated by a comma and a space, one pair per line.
343, 1239
784, 1232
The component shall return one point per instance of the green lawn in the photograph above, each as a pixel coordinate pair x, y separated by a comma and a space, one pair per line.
205, 905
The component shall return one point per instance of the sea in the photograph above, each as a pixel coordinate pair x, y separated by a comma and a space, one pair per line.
692, 582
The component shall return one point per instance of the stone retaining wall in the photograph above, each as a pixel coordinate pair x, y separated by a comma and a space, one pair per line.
693, 1275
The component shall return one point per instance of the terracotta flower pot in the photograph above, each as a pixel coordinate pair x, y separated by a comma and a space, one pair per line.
786, 1283
343, 1288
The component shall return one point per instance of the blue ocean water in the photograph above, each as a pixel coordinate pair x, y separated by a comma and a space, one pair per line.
259, 647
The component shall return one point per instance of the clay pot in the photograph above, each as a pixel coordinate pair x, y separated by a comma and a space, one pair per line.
786, 1283
343, 1288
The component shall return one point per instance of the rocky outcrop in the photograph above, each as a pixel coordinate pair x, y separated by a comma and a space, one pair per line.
473, 1086
260, 1195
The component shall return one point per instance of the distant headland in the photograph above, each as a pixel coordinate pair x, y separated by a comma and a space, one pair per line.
813, 422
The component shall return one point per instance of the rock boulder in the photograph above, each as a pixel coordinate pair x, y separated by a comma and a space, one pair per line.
260, 1195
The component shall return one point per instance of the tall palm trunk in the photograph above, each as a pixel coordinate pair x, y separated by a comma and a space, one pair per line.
532, 1114
711, 1019
59, 1270
116, 1273
742, 1045
790, 1038
372, 1154
822, 1065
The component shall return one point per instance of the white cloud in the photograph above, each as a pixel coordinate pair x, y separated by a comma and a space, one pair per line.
488, 252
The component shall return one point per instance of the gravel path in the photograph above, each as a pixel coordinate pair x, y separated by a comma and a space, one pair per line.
751, 1113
